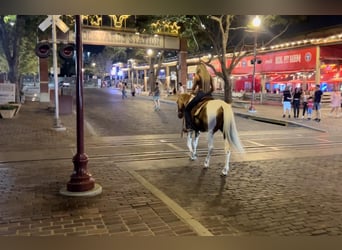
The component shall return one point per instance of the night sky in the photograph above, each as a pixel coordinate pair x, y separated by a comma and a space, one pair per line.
312, 23
316, 22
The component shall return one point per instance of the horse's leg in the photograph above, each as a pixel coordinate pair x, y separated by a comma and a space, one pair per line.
195, 144
210, 148
227, 151
190, 147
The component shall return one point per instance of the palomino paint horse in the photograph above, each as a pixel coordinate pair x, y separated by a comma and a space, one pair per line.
211, 116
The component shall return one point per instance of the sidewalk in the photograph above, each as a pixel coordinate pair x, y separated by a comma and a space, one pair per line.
35, 163
273, 114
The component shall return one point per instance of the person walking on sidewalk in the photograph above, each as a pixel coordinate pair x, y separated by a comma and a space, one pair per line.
305, 97
156, 97
180, 88
123, 91
286, 101
310, 107
296, 102
317, 102
335, 103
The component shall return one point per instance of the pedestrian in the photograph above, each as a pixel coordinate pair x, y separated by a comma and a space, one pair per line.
286, 101
123, 91
310, 107
133, 89
335, 103
296, 102
317, 102
202, 86
305, 97
156, 97
138, 89
180, 88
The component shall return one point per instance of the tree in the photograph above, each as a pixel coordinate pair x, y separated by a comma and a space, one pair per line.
28, 61
17, 35
223, 34
11, 32
3, 62
102, 62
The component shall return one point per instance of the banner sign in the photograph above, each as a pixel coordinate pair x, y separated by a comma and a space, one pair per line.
7, 93
302, 59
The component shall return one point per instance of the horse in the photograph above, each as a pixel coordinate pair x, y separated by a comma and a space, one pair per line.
210, 115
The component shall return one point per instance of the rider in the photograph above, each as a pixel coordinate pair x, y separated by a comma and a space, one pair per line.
202, 86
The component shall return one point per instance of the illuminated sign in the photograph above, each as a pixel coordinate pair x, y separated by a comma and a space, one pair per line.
125, 39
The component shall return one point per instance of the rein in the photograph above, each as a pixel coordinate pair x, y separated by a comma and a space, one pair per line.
182, 110
182, 132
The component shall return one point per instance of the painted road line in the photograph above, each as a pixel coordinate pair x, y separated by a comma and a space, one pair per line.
178, 210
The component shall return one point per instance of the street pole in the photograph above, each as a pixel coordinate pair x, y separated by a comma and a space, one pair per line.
81, 183
150, 70
252, 108
151, 75
57, 125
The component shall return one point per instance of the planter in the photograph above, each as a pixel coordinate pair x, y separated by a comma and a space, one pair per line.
17, 106
8, 113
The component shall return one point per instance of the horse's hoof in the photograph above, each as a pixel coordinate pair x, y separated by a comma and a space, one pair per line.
223, 175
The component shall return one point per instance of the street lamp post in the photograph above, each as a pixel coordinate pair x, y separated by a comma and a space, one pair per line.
150, 71
81, 182
131, 63
256, 24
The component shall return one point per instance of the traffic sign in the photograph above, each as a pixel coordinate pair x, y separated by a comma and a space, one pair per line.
46, 23
59, 23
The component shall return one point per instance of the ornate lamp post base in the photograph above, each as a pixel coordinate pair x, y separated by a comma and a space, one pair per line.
81, 182
97, 189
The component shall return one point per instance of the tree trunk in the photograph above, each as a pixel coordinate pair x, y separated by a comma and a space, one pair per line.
13, 71
13, 77
228, 91
227, 85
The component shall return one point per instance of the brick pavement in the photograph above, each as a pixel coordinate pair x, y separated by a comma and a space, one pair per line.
294, 196
30, 202
128, 208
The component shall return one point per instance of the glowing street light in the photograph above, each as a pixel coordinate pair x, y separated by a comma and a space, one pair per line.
256, 24
150, 73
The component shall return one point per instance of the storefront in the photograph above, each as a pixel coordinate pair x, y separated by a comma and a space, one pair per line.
302, 67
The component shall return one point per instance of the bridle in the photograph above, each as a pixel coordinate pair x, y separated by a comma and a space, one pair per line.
181, 115
181, 109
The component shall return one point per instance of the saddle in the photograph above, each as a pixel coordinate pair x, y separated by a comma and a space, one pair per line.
199, 106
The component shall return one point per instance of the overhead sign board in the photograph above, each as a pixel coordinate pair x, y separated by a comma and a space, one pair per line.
125, 39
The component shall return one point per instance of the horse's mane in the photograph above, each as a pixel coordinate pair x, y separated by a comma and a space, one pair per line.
185, 98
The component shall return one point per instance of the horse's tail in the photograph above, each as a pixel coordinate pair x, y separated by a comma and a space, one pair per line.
229, 130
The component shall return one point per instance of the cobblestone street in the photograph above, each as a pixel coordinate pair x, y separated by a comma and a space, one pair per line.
150, 188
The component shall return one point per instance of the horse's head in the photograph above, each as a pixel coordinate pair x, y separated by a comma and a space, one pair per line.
182, 100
